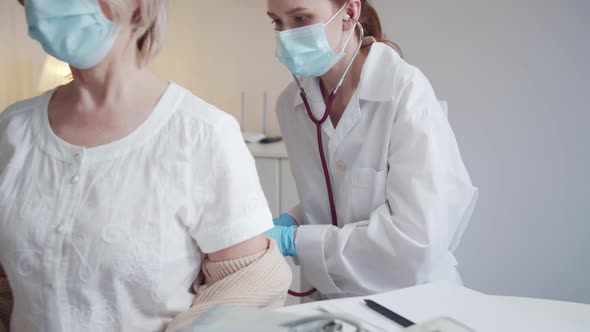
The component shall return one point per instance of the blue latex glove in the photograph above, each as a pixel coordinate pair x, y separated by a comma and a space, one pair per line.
284, 220
285, 239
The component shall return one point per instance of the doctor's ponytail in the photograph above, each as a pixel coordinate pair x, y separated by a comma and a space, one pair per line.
371, 22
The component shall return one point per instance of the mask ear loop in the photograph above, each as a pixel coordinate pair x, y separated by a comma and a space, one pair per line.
336, 14
350, 37
356, 53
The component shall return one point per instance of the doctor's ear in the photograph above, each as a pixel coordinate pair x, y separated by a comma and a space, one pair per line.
352, 13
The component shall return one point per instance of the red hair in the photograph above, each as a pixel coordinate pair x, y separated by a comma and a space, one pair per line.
371, 22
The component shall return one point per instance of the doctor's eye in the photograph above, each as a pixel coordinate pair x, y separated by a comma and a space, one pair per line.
276, 21
301, 19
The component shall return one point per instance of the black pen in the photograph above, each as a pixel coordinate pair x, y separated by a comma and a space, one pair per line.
399, 319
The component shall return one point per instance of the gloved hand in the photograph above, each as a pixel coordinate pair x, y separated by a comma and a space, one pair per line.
284, 219
285, 239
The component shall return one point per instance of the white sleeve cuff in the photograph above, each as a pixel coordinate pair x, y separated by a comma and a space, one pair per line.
241, 230
310, 252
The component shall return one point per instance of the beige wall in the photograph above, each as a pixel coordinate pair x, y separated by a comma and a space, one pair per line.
219, 49
20, 58
216, 49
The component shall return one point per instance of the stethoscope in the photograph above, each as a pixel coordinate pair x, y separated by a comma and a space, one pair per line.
318, 123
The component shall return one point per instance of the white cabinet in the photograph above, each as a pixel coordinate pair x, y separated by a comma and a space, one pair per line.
275, 175
269, 171
288, 194
279, 187
277, 183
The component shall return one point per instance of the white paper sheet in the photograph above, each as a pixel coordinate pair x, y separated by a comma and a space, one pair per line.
476, 310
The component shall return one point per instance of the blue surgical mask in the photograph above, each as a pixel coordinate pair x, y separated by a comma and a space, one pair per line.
73, 31
306, 51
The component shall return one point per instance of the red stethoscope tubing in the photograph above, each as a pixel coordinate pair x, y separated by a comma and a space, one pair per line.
318, 123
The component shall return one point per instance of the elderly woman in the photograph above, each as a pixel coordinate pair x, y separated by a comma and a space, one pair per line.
120, 189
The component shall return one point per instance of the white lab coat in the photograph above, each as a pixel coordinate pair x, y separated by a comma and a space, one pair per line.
402, 193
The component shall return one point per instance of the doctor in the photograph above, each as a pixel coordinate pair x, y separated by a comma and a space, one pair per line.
384, 194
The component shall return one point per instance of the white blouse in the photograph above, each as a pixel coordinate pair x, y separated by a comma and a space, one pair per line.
110, 238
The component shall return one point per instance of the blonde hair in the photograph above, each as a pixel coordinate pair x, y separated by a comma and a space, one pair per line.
149, 22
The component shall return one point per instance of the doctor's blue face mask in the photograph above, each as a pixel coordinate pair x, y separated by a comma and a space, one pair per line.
306, 51
73, 31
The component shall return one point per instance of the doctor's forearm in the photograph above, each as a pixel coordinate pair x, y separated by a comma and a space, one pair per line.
363, 257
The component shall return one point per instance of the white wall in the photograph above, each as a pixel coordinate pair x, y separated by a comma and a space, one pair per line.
516, 78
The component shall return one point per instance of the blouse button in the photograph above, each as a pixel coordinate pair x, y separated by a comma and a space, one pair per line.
75, 179
341, 165
61, 228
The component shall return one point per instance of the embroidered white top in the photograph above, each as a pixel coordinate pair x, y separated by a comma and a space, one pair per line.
110, 238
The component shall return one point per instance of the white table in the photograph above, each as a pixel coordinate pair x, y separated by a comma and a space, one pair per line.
564, 311
573, 312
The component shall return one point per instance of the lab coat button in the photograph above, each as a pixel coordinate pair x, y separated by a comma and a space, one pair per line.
75, 179
341, 165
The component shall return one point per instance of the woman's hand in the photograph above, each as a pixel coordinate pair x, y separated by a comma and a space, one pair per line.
284, 236
285, 219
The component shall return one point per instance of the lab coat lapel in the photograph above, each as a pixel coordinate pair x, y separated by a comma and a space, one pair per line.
376, 85
350, 118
